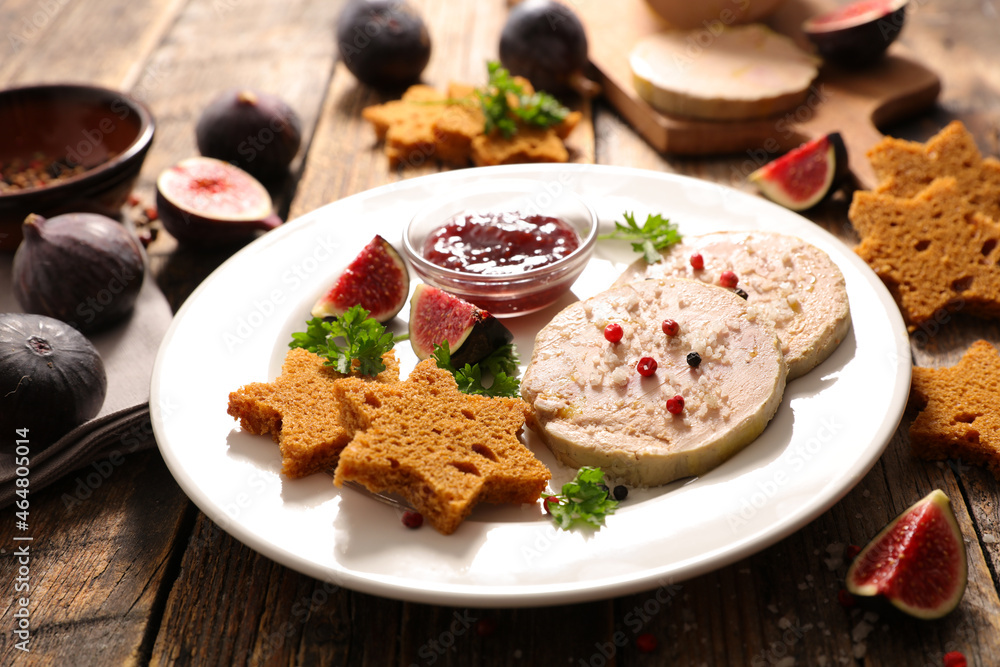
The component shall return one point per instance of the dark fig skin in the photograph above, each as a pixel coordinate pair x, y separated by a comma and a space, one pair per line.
545, 42
856, 42
52, 379
200, 228
384, 43
257, 131
81, 268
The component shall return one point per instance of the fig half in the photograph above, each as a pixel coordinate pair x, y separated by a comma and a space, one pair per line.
801, 178
377, 279
436, 316
917, 562
857, 34
207, 202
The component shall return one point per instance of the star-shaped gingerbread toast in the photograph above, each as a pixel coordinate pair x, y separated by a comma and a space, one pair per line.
958, 409
933, 251
300, 411
441, 450
904, 168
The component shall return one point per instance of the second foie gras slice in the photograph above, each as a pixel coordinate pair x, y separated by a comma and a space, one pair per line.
789, 282
592, 407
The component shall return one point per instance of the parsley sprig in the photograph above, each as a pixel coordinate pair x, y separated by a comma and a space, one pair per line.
656, 234
364, 340
505, 103
585, 500
501, 364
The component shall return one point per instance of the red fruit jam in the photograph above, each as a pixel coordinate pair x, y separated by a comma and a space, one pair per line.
499, 244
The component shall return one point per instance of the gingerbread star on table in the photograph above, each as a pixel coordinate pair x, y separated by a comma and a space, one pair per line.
958, 416
300, 411
934, 251
441, 450
904, 168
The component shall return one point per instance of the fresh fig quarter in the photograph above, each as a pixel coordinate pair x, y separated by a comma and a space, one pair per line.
917, 562
802, 177
207, 202
377, 280
436, 316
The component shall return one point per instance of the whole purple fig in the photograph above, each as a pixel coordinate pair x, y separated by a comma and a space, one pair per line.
82, 268
257, 131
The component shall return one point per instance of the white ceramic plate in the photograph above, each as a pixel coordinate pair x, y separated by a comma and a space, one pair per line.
832, 425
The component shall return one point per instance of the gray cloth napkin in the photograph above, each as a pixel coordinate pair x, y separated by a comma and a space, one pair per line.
122, 426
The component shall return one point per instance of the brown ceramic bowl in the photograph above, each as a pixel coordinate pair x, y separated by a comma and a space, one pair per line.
103, 131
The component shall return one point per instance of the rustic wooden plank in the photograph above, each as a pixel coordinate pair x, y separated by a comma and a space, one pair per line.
105, 539
57, 41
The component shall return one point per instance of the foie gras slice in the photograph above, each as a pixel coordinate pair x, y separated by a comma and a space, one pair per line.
789, 282
592, 407
743, 72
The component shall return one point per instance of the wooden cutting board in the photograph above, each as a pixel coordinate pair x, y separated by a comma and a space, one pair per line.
853, 102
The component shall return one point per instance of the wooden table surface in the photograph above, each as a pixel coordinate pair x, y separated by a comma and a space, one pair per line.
136, 574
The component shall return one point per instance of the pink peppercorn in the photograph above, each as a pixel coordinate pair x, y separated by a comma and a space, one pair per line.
697, 261
675, 405
728, 279
954, 659
646, 366
670, 327
845, 598
613, 332
646, 642
413, 519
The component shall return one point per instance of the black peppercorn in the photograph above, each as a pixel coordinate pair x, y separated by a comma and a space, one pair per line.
694, 359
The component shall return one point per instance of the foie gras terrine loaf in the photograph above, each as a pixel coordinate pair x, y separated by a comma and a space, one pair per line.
592, 406
791, 283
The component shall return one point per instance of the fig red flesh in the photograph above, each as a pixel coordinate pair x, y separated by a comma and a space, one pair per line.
917, 562
207, 202
377, 279
802, 177
471, 332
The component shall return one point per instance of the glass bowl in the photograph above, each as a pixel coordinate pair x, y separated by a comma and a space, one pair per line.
526, 290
